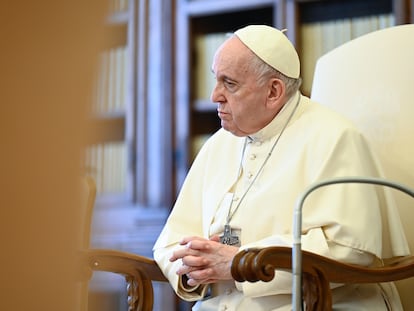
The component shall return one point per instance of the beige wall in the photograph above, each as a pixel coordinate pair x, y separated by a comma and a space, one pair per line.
47, 52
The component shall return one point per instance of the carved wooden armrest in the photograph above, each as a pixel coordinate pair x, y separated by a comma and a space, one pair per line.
139, 274
317, 271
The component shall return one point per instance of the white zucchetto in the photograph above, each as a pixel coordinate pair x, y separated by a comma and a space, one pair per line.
273, 47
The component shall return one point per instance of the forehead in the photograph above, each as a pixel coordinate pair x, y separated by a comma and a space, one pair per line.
232, 58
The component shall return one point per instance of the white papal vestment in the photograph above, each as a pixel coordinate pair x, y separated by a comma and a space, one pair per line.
351, 222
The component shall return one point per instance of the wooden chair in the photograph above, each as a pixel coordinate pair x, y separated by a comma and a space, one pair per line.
369, 80
139, 271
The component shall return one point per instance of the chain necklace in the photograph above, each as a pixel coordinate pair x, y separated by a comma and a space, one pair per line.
227, 237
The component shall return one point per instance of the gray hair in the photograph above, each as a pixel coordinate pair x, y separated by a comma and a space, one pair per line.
265, 72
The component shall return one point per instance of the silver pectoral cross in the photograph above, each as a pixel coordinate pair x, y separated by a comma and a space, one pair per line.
228, 238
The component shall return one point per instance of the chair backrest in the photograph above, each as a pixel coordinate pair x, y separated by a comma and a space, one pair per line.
370, 80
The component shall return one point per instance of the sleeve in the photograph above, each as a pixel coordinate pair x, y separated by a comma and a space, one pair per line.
185, 219
344, 211
161, 256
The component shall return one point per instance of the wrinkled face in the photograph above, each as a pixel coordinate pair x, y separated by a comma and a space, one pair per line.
243, 105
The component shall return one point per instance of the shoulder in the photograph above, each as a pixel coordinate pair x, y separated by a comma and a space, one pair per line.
220, 145
324, 114
219, 140
324, 121
320, 128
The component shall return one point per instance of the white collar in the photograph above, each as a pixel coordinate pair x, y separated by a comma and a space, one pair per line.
278, 122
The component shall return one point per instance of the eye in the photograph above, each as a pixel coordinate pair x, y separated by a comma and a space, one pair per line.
230, 84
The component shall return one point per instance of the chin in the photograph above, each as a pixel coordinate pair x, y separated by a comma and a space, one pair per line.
235, 132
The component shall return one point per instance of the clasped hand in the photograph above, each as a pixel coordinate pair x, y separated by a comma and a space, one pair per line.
204, 260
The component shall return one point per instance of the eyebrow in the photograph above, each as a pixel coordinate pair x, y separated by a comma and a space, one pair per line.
226, 77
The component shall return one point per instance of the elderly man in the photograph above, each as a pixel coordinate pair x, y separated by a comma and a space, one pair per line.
241, 189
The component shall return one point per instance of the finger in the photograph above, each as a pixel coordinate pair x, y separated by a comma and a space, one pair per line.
187, 239
184, 270
195, 261
192, 282
202, 276
175, 256
199, 245
180, 253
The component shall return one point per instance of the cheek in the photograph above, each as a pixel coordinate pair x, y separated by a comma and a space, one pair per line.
245, 107
242, 114
248, 113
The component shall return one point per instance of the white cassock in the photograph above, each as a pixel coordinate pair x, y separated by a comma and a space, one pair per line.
350, 222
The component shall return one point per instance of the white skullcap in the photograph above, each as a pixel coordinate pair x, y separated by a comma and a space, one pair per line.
273, 47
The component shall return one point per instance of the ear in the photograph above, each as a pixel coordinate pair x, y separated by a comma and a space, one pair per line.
276, 93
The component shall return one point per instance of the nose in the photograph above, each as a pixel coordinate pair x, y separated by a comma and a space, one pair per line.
216, 95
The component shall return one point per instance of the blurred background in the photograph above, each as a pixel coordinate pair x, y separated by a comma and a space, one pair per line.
119, 90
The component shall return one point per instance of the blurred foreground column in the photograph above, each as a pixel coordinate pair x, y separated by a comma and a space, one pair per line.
48, 51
